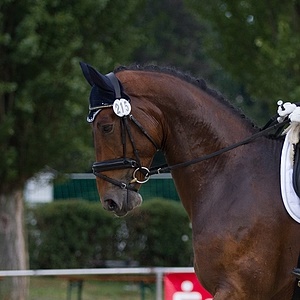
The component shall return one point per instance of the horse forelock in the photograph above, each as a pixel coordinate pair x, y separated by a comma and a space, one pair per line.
187, 77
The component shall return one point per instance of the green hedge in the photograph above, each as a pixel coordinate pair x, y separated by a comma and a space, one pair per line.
81, 234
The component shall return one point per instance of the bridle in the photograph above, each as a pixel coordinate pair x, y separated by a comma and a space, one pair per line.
129, 163
124, 162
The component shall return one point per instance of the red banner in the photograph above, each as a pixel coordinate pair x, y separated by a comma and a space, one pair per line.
184, 286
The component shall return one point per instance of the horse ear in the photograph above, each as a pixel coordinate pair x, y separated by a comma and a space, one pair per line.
95, 78
85, 71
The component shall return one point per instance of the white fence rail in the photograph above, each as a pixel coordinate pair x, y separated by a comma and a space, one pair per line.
157, 271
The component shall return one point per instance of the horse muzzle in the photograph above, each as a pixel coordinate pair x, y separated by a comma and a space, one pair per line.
121, 201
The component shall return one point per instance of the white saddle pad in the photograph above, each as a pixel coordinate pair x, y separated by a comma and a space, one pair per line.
290, 199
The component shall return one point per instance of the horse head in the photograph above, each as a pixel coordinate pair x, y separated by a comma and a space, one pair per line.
124, 139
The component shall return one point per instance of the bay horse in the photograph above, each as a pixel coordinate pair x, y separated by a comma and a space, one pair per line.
245, 243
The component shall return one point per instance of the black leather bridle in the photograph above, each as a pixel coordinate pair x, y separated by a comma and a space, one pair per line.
129, 163
124, 162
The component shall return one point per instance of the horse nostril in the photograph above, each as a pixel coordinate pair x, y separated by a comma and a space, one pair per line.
111, 205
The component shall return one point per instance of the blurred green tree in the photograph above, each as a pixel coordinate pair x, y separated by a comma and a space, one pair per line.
175, 37
43, 104
258, 44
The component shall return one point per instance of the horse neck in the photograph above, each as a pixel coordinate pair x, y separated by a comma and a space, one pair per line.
194, 124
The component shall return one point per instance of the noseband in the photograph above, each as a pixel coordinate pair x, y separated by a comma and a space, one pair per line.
124, 162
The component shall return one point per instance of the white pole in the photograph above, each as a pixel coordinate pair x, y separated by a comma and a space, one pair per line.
159, 284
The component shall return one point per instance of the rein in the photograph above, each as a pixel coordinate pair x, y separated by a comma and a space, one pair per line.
125, 163
166, 168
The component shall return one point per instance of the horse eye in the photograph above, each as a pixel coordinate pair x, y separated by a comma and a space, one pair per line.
107, 128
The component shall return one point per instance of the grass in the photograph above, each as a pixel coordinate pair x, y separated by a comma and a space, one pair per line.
49, 288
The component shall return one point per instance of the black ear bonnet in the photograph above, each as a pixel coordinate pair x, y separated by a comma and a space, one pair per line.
103, 93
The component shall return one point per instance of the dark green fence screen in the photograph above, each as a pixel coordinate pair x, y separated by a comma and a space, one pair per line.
83, 186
